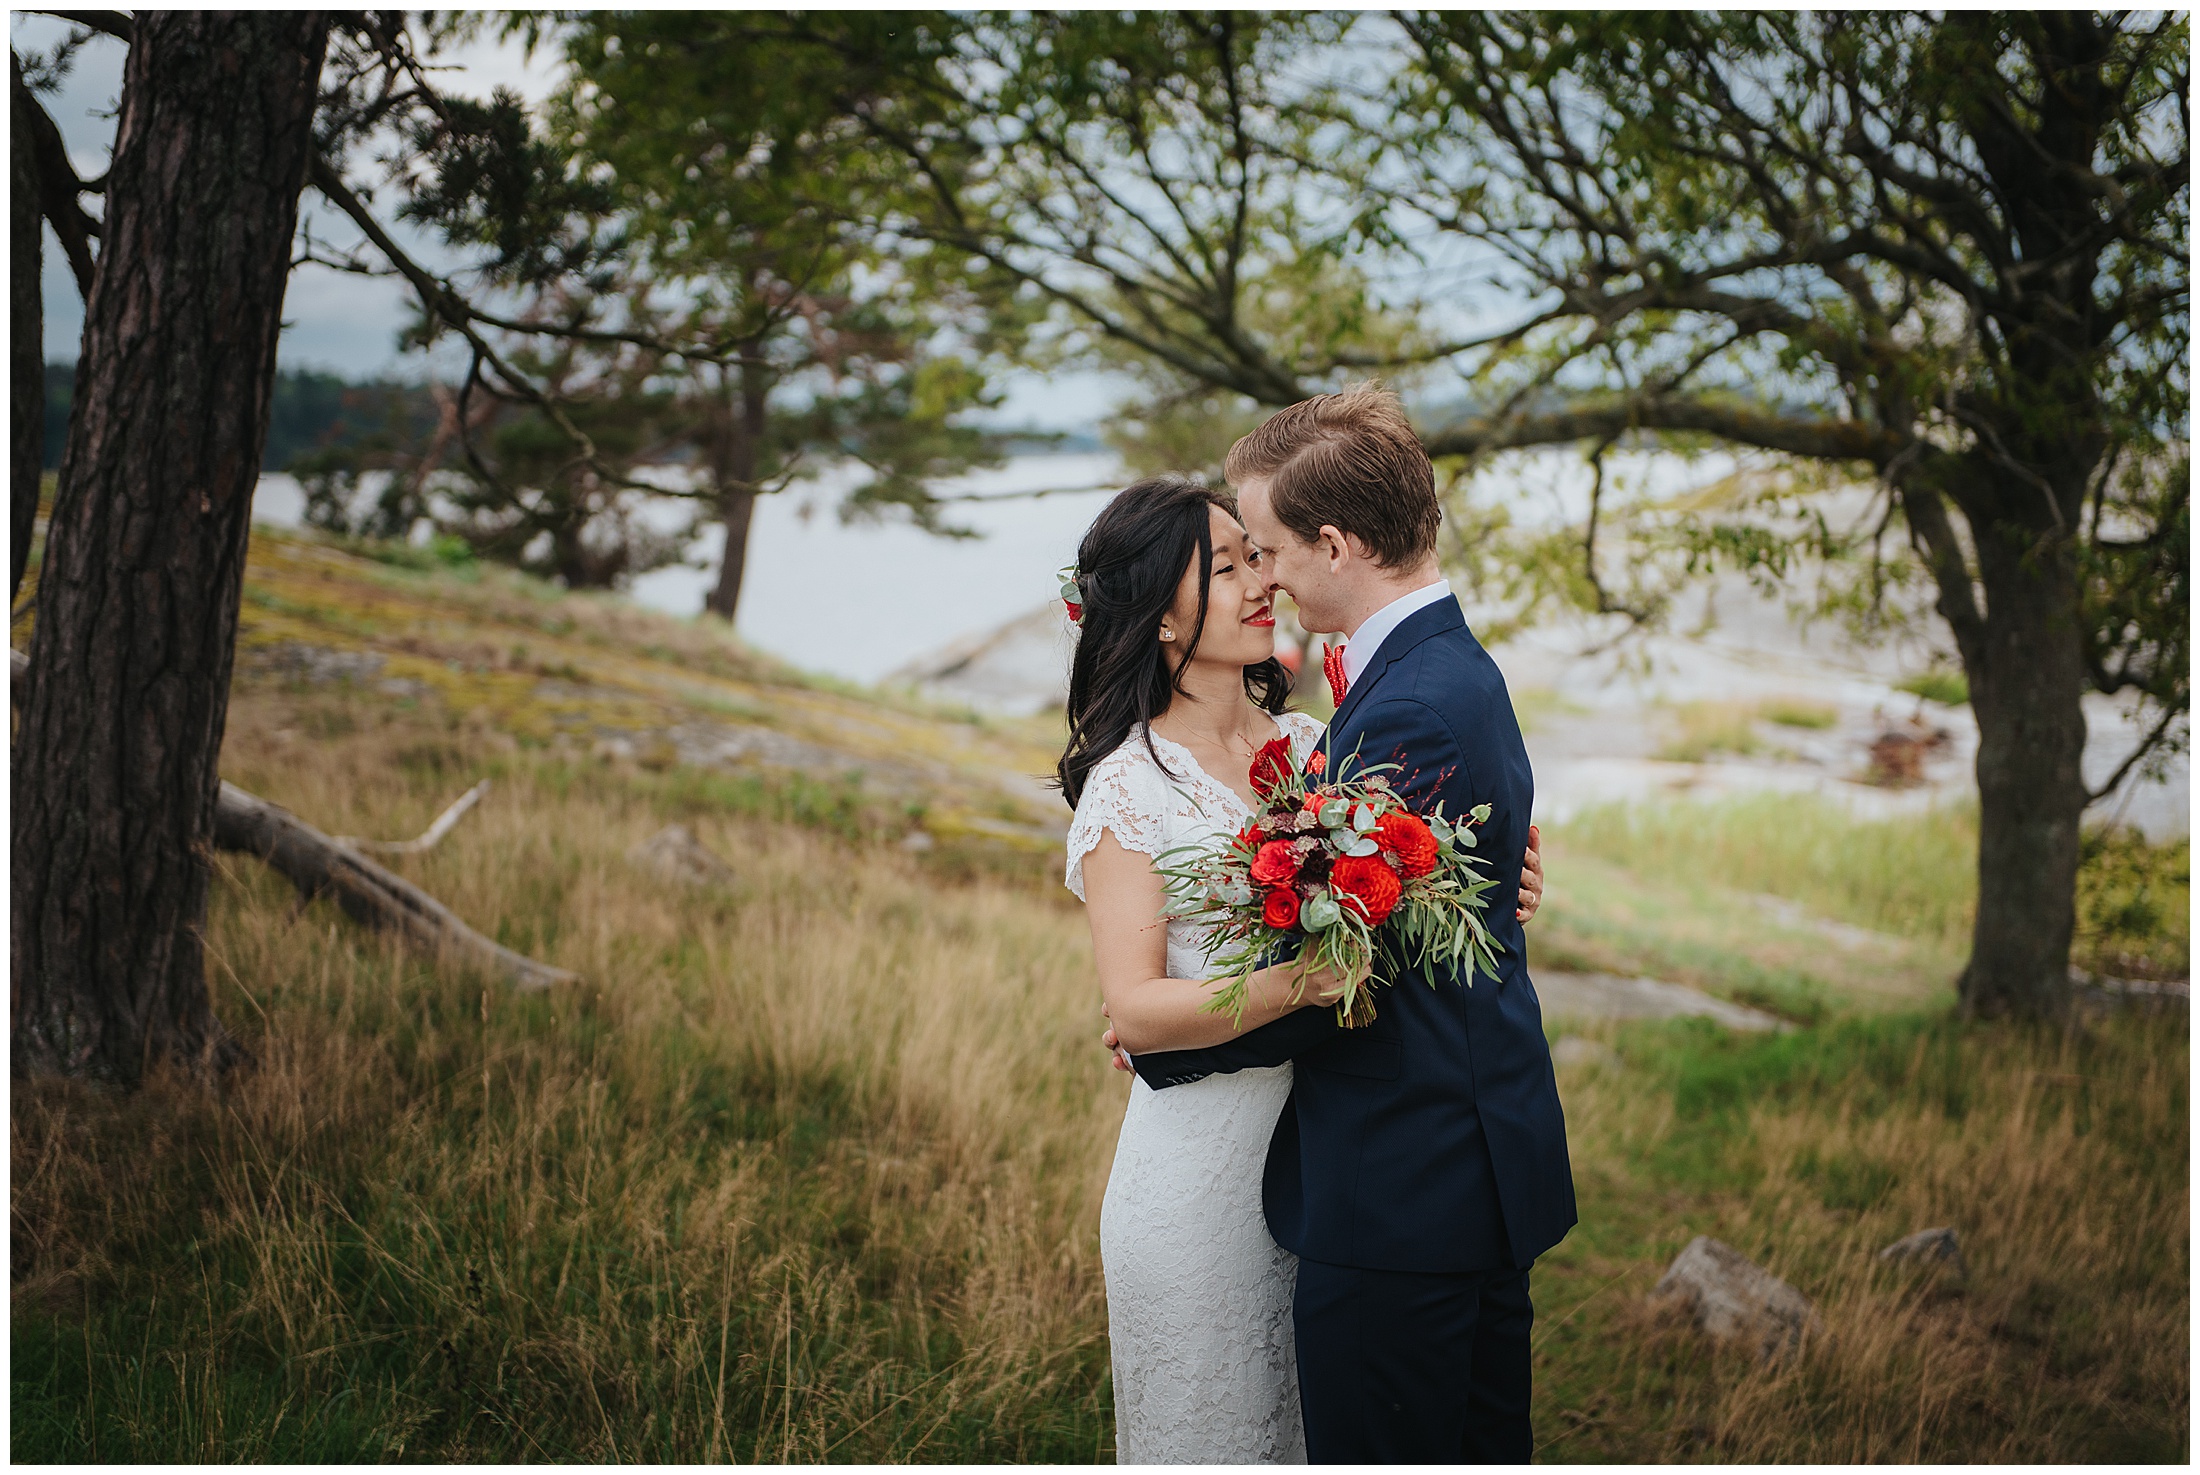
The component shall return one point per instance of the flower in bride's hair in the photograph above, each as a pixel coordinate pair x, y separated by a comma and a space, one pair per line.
1072, 595
1271, 767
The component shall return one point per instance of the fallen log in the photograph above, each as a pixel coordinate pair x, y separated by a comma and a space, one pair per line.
320, 865
428, 838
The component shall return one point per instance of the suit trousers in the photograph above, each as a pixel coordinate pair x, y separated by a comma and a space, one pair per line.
1403, 1368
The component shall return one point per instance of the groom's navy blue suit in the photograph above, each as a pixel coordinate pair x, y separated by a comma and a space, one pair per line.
1421, 1165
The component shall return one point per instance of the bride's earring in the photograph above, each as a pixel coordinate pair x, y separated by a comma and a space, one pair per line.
1168, 635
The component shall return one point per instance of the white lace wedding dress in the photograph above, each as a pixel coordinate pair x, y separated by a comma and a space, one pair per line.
1199, 1296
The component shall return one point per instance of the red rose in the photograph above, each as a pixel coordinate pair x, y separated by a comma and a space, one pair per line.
1410, 842
1076, 611
1281, 910
1249, 837
1368, 885
1316, 761
1277, 864
1271, 767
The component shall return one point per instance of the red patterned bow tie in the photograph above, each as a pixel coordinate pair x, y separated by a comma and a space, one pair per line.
1333, 668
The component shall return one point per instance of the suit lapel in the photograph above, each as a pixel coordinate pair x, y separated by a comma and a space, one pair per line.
1443, 615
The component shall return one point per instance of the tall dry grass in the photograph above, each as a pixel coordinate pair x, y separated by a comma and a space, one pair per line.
806, 1171
810, 1170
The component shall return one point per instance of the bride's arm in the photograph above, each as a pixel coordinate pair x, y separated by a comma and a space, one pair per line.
1150, 1010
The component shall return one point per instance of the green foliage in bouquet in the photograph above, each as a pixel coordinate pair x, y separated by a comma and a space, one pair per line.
1347, 873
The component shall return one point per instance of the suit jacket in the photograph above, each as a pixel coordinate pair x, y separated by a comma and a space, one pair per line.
1431, 1140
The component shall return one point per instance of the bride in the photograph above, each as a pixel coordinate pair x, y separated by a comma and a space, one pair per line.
1173, 689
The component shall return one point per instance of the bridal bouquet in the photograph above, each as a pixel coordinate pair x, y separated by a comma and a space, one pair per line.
1342, 868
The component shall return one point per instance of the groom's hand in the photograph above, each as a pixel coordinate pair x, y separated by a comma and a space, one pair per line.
1531, 875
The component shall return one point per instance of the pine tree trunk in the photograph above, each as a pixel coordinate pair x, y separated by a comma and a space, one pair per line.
26, 325
736, 508
115, 758
735, 461
2026, 677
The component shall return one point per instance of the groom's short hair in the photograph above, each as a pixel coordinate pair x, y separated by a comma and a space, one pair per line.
1350, 461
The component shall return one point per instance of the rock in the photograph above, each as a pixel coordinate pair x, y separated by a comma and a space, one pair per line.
916, 842
2098, 993
294, 660
1609, 996
1578, 1050
674, 854
1731, 1298
1930, 1246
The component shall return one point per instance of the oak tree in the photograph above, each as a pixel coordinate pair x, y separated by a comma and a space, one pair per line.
1947, 252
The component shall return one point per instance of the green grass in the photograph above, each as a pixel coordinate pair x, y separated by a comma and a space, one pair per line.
1794, 712
1705, 730
2059, 1158
1913, 877
2135, 905
1949, 688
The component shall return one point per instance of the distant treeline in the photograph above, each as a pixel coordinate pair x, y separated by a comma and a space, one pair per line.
312, 411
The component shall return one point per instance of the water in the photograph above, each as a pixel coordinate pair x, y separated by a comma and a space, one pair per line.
860, 600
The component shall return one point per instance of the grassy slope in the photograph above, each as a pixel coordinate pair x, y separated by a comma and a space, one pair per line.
811, 1168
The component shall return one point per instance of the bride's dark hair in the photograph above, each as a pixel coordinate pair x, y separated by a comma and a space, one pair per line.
1128, 570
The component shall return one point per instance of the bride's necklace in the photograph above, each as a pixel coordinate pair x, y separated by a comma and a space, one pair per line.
1239, 746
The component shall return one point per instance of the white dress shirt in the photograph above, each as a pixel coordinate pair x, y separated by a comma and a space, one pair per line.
1361, 646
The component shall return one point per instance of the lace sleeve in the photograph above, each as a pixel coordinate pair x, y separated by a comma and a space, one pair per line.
1119, 796
1305, 731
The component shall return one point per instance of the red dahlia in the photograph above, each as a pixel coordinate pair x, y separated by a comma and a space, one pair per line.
1368, 885
1409, 841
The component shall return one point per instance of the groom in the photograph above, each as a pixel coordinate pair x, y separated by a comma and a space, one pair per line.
1420, 1166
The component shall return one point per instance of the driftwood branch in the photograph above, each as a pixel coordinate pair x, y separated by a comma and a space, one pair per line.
428, 838
321, 865
317, 864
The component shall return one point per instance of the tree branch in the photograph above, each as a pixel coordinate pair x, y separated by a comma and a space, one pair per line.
1833, 440
107, 22
58, 186
1936, 540
2152, 741
440, 301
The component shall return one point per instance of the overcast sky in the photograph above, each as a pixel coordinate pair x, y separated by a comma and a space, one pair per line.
349, 324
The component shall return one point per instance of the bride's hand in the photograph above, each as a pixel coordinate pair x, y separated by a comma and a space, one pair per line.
1115, 1046
1531, 876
